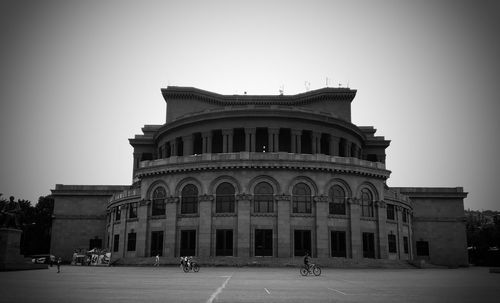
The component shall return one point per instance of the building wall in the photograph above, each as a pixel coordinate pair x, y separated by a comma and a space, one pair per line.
439, 219
79, 216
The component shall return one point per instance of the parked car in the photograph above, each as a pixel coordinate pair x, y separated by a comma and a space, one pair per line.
43, 259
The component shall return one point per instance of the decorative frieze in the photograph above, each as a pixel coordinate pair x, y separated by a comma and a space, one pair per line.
244, 197
206, 198
172, 199
144, 202
282, 197
321, 198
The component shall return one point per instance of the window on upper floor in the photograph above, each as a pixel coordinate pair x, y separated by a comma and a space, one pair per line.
189, 199
391, 212
337, 200
132, 210
158, 206
224, 198
302, 200
263, 198
366, 203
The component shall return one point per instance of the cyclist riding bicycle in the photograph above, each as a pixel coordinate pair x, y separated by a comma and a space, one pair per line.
306, 261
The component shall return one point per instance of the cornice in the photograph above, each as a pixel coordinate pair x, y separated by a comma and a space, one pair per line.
244, 160
324, 94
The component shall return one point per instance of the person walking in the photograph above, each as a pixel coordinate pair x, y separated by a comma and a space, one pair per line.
58, 264
157, 261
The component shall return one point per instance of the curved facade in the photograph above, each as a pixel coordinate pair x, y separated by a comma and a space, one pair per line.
253, 178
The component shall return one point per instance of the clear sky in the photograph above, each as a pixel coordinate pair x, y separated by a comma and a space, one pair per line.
78, 78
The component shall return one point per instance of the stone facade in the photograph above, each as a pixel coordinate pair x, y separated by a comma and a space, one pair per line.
244, 179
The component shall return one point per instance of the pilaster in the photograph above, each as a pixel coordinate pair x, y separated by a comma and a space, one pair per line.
141, 228
356, 241
284, 244
170, 226
250, 139
205, 233
243, 249
382, 232
321, 226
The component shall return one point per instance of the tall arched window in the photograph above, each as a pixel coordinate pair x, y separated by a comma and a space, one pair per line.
158, 207
302, 200
337, 199
263, 198
189, 199
224, 198
366, 203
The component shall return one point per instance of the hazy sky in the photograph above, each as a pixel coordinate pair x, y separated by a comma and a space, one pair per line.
80, 78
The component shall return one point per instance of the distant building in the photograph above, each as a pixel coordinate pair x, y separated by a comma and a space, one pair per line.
256, 178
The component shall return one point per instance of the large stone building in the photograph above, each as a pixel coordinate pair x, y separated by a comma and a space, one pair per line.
253, 178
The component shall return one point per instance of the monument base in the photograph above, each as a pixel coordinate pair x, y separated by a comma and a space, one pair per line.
10, 252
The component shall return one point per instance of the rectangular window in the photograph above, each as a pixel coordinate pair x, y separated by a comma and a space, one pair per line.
189, 205
158, 207
263, 242
405, 244
132, 210
392, 243
188, 243
302, 205
302, 242
118, 213
116, 243
368, 245
422, 248
338, 244
337, 208
131, 242
224, 242
391, 212
157, 243
405, 215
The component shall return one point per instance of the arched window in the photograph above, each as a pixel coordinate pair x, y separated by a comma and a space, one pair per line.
337, 199
158, 207
263, 198
301, 198
224, 198
366, 203
189, 199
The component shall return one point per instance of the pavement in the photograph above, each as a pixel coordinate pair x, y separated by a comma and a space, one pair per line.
248, 284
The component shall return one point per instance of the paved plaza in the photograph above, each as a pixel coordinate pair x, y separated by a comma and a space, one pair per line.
229, 284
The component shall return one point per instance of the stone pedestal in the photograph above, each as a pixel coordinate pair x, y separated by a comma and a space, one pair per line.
10, 256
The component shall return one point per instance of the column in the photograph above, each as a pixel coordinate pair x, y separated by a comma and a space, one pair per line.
205, 226
347, 149
243, 248
170, 228
207, 142
141, 228
382, 232
283, 232
322, 227
316, 147
356, 240
334, 145
188, 145
273, 139
227, 140
250, 139
173, 147
399, 218
297, 133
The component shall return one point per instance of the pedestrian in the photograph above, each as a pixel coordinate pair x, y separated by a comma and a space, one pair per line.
157, 260
58, 264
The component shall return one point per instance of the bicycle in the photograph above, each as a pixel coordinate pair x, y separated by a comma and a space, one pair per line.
313, 269
192, 266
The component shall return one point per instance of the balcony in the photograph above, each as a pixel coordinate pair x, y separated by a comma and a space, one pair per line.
280, 160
